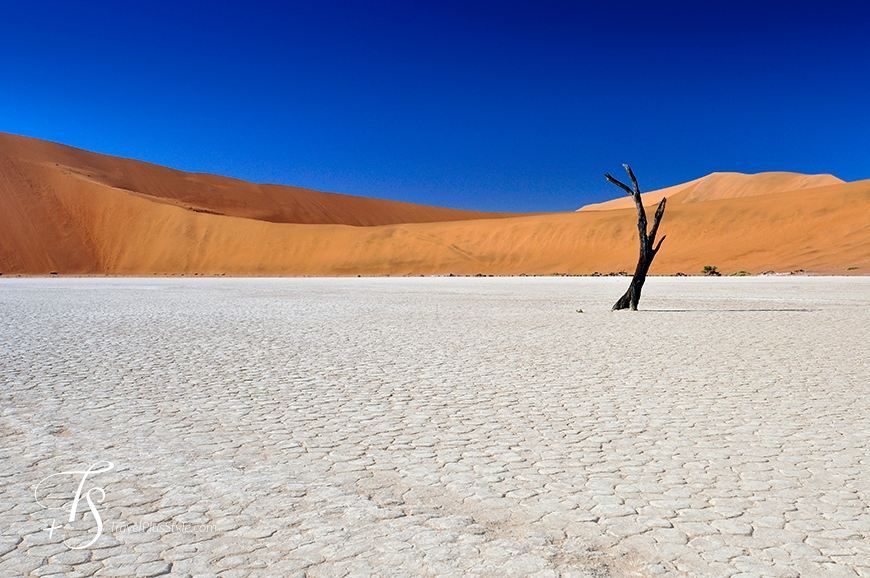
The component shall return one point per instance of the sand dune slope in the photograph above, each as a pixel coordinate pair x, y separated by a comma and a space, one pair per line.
54, 217
215, 194
718, 186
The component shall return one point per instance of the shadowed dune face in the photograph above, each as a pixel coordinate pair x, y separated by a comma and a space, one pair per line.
75, 212
214, 194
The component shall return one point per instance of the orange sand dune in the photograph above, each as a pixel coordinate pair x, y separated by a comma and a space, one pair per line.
67, 212
723, 186
214, 194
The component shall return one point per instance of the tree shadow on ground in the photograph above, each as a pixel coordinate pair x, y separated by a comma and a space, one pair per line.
725, 310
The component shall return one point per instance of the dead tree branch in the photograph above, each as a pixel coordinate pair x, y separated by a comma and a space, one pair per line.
647, 251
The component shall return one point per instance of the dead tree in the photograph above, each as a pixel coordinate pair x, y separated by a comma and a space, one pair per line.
647, 251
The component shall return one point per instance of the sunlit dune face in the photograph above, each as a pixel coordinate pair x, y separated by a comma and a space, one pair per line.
74, 212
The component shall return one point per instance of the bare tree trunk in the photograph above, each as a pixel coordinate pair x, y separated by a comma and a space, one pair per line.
647, 251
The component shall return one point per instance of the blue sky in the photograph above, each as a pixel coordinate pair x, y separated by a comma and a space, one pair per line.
503, 106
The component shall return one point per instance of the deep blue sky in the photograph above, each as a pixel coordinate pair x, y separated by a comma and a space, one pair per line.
515, 106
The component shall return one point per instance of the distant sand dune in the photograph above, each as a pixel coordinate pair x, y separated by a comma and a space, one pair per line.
719, 186
74, 212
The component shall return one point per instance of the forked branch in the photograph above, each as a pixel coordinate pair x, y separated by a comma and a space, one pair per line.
647, 252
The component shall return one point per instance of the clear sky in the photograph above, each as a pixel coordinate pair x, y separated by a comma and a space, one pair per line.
504, 106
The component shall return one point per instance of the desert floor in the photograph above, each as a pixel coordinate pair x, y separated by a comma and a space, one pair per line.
435, 427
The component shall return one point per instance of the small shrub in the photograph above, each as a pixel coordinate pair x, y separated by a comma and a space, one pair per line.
711, 270
740, 273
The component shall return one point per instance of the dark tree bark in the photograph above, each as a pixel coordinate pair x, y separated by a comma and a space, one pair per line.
647, 251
